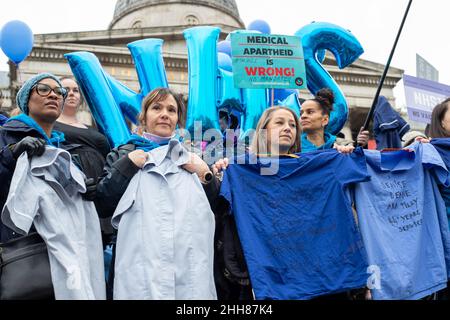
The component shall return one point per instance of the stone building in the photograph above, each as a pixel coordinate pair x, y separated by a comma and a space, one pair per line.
167, 19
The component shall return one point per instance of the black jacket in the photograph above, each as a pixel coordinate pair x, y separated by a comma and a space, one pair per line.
230, 268
117, 175
12, 133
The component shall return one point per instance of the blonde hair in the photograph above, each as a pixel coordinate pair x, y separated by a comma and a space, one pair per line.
15, 112
259, 143
156, 96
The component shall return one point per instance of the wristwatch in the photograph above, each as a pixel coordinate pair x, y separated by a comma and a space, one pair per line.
208, 177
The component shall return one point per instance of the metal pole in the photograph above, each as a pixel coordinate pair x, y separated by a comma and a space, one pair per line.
273, 98
383, 78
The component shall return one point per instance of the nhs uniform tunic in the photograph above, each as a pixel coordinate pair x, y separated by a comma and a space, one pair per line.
46, 191
404, 223
165, 233
297, 229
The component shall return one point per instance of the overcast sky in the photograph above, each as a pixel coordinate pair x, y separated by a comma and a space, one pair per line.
374, 22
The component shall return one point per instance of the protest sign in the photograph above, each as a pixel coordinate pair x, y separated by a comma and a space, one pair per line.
422, 96
268, 61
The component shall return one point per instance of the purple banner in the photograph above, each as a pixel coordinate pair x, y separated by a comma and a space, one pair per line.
422, 96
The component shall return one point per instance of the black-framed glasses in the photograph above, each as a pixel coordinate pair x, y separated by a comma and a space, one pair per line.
44, 90
74, 90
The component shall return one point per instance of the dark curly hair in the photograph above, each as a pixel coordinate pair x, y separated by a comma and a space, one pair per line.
325, 98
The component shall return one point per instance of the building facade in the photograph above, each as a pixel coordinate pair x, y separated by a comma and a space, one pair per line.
167, 19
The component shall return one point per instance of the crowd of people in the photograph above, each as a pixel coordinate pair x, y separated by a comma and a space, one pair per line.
178, 226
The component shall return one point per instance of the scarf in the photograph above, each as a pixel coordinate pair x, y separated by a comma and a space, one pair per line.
308, 146
56, 137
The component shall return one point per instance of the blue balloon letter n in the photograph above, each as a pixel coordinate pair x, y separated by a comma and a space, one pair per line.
109, 100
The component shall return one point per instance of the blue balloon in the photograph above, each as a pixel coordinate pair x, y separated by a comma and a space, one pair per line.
227, 91
255, 103
321, 54
16, 40
225, 62
99, 96
148, 58
292, 103
203, 78
225, 47
261, 26
242, 31
281, 95
345, 47
111, 101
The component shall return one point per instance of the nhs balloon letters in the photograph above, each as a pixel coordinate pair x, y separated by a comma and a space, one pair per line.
345, 47
94, 84
210, 87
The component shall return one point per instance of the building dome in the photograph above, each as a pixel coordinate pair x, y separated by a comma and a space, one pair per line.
163, 13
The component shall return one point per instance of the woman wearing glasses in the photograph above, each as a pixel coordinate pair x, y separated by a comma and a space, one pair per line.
44, 195
41, 100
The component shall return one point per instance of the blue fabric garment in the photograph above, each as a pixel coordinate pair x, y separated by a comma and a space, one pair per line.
389, 126
307, 146
142, 143
3, 120
297, 229
56, 138
147, 145
403, 222
442, 145
23, 96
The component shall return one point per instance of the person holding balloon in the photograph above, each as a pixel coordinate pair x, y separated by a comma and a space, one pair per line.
162, 112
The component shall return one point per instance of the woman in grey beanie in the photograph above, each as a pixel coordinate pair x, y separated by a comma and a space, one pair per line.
41, 100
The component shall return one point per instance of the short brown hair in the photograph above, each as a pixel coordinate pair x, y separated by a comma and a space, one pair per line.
436, 129
157, 95
258, 139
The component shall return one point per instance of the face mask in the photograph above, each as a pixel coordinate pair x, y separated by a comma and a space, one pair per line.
157, 139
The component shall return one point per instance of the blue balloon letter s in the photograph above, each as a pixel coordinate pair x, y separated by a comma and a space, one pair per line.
345, 47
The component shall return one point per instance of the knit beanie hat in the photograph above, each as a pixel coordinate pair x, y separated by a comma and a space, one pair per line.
23, 96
